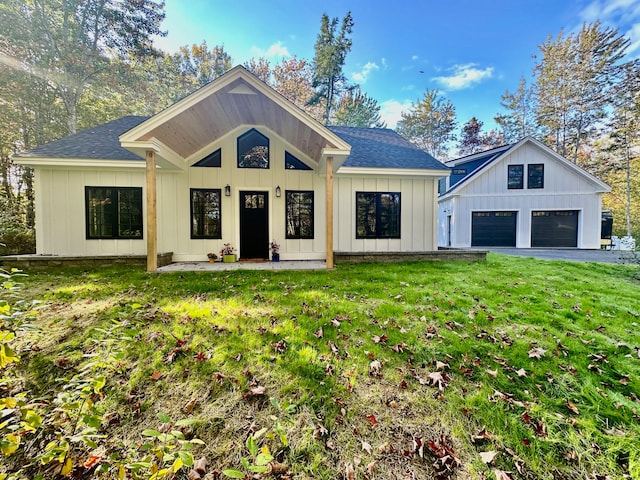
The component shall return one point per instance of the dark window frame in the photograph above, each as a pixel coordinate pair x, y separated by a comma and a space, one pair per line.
194, 235
288, 198
291, 162
213, 160
382, 229
515, 177
535, 175
116, 203
242, 152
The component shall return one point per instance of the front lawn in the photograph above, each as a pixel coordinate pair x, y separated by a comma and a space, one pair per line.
513, 368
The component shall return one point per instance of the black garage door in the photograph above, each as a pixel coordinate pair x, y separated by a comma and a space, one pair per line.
493, 229
554, 229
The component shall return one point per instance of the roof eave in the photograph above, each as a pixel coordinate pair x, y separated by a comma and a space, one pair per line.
413, 172
77, 162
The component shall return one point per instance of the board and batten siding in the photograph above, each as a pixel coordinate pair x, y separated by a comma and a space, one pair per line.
174, 198
564, 189
417, 213
61, 216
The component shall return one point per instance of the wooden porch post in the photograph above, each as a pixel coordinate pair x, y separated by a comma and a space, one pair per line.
329, 212
152, 225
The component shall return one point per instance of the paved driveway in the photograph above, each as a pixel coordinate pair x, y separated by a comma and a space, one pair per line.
571, 254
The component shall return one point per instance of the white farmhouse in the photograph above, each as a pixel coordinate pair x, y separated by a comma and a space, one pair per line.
522, 195
234, 162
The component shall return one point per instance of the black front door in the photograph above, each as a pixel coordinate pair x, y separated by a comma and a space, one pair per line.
254, 225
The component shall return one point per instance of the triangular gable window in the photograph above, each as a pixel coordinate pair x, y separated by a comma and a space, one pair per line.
292, 163
212, 160
253, 150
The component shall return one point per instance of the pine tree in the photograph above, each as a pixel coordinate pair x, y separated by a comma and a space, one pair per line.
331, 50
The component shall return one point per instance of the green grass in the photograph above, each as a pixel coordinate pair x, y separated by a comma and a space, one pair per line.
345, 357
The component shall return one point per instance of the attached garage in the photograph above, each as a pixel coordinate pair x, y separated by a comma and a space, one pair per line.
493, 229
554, 228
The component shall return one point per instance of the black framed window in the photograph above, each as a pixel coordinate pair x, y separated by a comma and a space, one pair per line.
253, 150
535, 175
515, 177
299, 214
377, 215
292, 162
214, 159
113, 212
206, 213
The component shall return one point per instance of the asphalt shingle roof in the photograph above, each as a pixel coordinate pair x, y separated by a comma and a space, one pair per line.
100, 143
370, 147
384, 148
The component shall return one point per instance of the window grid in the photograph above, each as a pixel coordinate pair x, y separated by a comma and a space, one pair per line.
299, 213
113, 212
377, 215
206, 213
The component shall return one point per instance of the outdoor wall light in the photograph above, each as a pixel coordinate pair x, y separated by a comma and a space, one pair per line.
227, 190
278, 191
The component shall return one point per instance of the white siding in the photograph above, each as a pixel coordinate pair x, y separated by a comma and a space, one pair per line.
417, 213
61, 223
564, 189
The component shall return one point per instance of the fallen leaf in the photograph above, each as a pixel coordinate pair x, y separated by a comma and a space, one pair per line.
537, 352
481, 436
572, 407
375, 368
319, 333
372, 420
190, 405
156, 375
200, 465
91, 461
493, 373
350, 473
366, 447
371, 467
502, 475
521, 373
488, 457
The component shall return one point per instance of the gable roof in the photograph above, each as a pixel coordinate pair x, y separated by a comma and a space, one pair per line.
96, 143
480, 162
371, 148
182, 132
384, 148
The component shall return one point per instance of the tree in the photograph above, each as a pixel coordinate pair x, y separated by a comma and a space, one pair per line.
261, 68
519, 121
357, 109
624, 144
429, 124
200, 65
293, 79
331, 50
573, 84
471, 140
68, 43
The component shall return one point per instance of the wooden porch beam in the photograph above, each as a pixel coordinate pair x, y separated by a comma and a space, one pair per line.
329, 184
152, 216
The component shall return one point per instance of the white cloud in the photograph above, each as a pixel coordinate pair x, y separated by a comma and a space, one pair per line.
274, 51
464, 76
414, 57
363, 74
621, 14
390, 111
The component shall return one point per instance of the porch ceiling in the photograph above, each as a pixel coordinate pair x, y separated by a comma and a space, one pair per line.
237, 103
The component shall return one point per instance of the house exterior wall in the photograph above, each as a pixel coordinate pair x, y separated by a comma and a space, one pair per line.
564, 189
417, 213
60, 211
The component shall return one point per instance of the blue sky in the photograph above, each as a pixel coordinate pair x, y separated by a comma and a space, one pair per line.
470, 51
